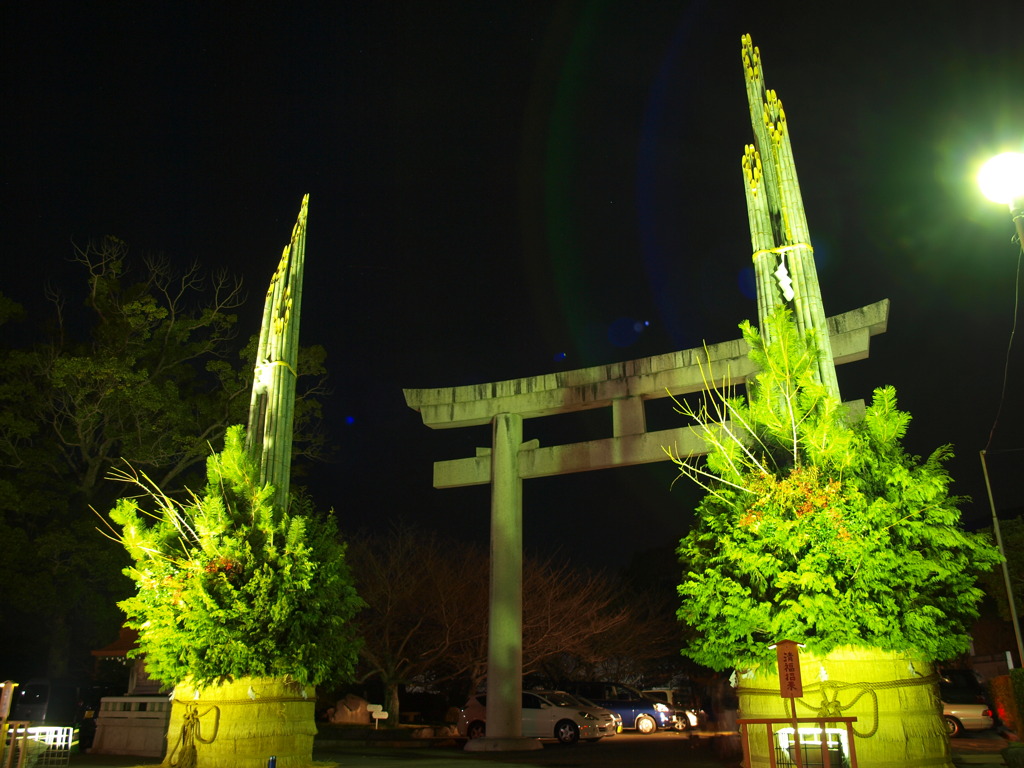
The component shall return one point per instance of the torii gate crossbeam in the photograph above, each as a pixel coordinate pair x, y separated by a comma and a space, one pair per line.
623, 387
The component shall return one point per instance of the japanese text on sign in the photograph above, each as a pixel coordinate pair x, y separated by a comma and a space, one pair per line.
790, 684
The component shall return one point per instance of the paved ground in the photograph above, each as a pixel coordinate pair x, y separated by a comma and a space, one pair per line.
623, 751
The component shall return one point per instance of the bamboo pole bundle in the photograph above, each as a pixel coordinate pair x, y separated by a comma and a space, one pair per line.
810, 310
272, 405
754, 79
765, 219
761, 238
778, 225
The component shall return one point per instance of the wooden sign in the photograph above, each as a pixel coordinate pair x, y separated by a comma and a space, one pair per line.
790, 684
6, 698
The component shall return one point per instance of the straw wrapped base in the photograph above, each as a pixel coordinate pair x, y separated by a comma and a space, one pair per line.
240, 724
893, 696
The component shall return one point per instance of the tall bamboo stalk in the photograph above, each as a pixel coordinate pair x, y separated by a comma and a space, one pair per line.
272, 405
779, 234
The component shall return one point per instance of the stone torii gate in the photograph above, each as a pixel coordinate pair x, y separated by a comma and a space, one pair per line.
778, 229
622, 387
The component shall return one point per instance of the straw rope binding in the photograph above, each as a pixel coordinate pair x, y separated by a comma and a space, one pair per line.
830, 690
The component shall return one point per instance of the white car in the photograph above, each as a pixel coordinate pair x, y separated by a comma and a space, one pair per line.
608, 723
966, 717
551, 715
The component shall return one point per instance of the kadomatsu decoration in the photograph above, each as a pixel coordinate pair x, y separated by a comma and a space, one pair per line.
818, 527
244, 601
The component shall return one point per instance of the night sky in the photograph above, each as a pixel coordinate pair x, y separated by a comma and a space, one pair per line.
505, 189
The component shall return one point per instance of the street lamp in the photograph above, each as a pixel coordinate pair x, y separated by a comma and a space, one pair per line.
1002, 181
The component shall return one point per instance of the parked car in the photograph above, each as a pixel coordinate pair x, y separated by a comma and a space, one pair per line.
61, 702
965, 704
46, 701
551, 715
961, 686
608, 723
637, 711
966, 717
686, 716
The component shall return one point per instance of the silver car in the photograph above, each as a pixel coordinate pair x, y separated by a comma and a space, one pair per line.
608, 723
966, 717
545, 716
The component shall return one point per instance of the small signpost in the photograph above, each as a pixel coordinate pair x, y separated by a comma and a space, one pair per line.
377, 713
6, 697
790, 751
791, 685
788, 654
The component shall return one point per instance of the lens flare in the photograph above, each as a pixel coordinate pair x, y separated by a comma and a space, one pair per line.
1002, 178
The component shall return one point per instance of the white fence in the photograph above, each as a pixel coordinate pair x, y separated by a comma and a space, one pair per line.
132, 725
28, 746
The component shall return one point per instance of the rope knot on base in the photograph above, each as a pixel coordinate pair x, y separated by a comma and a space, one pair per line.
191, 732
830, 705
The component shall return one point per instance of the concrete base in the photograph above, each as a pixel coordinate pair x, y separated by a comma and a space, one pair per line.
487, 744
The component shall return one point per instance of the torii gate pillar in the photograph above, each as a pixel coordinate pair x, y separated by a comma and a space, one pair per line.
504, 638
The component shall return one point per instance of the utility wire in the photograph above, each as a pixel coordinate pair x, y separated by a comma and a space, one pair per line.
1013, 330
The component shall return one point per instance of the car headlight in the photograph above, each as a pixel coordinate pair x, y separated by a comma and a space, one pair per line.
661, 707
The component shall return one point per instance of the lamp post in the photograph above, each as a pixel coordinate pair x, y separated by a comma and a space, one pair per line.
1002, 181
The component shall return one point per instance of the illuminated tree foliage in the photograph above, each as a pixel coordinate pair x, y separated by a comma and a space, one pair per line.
141, 364
227, 586
818, 527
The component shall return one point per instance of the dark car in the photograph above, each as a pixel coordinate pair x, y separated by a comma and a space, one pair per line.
46, 701
62, 702
961, 686
637, 711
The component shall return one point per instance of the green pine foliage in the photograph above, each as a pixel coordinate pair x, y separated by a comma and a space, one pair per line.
228, 586
817, 527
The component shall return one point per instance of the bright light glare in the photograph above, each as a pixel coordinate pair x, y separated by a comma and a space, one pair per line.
1002, 178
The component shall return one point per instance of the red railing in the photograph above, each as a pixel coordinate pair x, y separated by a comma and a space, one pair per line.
783, 757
